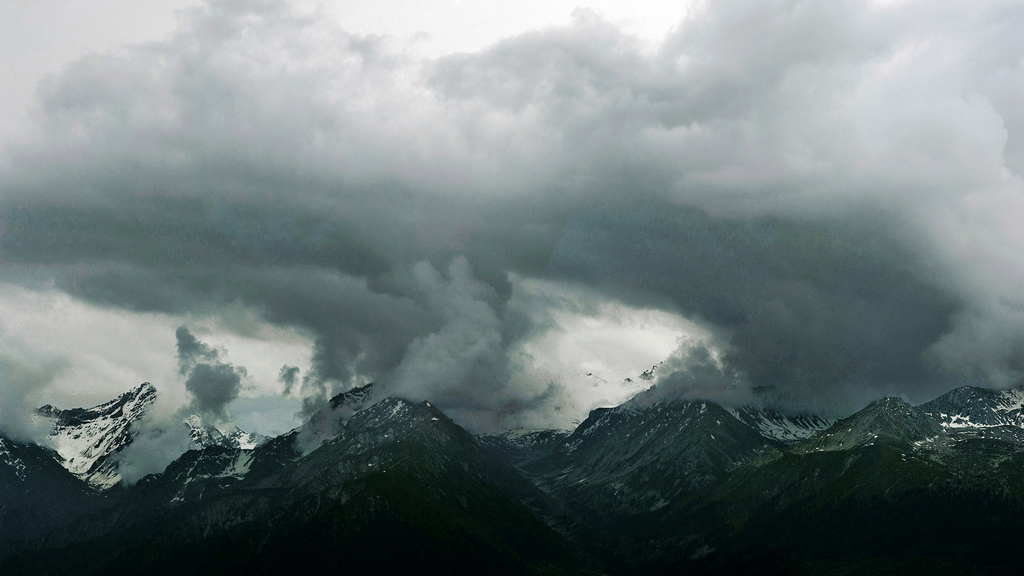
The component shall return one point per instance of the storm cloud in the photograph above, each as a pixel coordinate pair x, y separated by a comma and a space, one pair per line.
212, 383
191, 351
832, 189
288, 376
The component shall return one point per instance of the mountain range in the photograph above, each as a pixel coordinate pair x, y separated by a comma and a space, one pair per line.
375, 483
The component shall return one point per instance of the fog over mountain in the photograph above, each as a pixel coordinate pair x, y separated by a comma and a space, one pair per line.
817, 202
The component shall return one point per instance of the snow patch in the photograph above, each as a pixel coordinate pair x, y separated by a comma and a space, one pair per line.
85, 437
11, 460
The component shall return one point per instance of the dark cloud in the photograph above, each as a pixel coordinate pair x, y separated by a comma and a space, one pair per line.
826, 312
832, 193
191, 351
289, 376
163, 436
213, 384
693, 371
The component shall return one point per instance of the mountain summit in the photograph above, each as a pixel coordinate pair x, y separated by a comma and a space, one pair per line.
204, 434
87, 439
973, 407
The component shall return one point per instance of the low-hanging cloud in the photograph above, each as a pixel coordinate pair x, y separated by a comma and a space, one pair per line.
833, 188
162, 435
158, 442
697, 371
213, 386
191, 351
465, 351
24, 374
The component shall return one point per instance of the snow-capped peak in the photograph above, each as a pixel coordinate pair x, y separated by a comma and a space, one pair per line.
352, 401
87, 438
969, 407
329, 421
229, 436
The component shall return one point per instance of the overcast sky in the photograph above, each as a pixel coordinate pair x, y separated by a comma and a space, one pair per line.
510, 209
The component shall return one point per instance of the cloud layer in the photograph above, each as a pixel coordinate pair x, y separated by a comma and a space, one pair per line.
831, 189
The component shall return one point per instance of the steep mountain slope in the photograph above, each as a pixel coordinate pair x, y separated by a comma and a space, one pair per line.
971, 412
884, 420
637, 458
217, 465
37, 494
398, 489
883, 486
329, 421
625, 466
88, 439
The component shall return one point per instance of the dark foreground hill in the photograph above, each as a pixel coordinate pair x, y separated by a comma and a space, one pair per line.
399, 489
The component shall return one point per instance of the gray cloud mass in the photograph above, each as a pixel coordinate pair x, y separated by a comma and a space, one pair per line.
212, 383
833, 188
288, 376
191, 351
23, 373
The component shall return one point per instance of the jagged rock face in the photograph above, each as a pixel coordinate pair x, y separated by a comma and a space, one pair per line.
352, 400
205, 435
366, 441
969, 407
88, 439
779, 426
217, 466
327, 423
12, 465
226, 456
371, 441
198, 474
